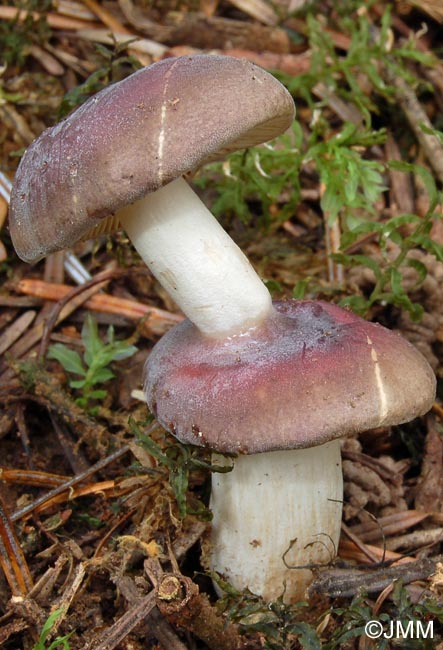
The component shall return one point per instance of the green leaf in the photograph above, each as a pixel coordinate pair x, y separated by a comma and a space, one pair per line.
69, 359
299, 291
429, 245
357, 304
421, 269
356, 260
123, 351
306, 636
91, 339
398, 222
97, 394
77, 383
101, 375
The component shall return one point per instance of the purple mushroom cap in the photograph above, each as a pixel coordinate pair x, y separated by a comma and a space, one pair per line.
311, 373
136, 136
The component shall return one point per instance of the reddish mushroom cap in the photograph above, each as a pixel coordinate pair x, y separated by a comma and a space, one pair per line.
313, 372
135, 136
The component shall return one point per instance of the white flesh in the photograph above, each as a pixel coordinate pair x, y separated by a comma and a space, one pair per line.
196, 261
270, 503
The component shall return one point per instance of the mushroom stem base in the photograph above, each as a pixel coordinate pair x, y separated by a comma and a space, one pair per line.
275, 512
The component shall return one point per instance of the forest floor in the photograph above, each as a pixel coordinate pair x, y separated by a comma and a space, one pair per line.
100, 507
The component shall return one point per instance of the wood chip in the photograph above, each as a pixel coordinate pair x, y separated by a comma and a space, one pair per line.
258, 9
373, 530
15, 331
139, 45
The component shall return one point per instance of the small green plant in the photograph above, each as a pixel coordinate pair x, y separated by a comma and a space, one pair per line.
266, 181
19, 34
388, 272
263, 174
285, 626
93, 368
113, 64
180, 460
60, 642
279, 625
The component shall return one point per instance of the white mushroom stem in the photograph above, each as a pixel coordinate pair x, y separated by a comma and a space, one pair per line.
274, 511
196, 261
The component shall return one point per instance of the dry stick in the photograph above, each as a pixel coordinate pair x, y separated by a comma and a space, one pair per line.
15, 330
373, 463
106, 17
12, 558
416, 117
125, 624
416, 540
158, 320
32, 477
348, 550
257, 9
140, 46
156, 624
72, 453
363, 548
347, 583
68, 596
179, 600
54, 20
164, 632
143, 609
375, 528
332, 242
22, 430
67, 485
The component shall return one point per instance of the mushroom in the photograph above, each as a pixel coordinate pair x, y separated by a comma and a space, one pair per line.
276, 383
280, 395
125, 150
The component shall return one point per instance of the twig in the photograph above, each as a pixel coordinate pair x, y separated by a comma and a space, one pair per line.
67, 485
54, 20
157, 320
347, 583
179, 600
417, 117
15, 330
374, 529
106, 17
125, 624
348, 550
258, 9
359, 544
31, 477
12, 558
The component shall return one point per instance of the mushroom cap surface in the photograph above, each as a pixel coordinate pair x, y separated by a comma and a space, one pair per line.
135, 136
311, 373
